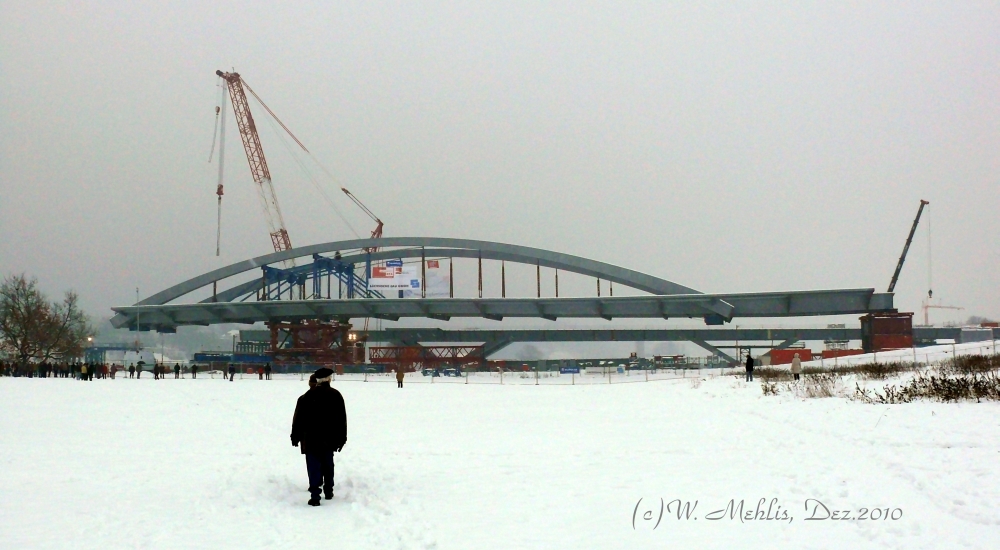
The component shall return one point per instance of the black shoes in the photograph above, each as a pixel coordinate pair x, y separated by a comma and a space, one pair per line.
328, 495
314, 501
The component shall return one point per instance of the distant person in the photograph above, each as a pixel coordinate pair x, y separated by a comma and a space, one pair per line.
131, 371
156, 372
749, 368
83, 372
177, 370
232, 371
312, 381
796, 366
194, 371
138, 369
267, 371
320, 426
260, 373
400, 373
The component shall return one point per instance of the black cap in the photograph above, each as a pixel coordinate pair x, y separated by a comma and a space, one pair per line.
323, 373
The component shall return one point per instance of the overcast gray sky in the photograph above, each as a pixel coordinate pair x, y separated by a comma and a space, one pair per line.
754, 147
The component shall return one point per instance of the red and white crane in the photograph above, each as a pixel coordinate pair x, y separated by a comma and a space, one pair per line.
255, 156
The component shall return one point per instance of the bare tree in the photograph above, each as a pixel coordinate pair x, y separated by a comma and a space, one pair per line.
32, 328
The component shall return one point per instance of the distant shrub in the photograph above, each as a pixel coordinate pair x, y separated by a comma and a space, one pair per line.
940, 387
971, 364
772, 374
820, 385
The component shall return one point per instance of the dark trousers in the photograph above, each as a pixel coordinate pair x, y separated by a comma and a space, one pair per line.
399, 383
749, 375
320, 468
796, 375
231, 376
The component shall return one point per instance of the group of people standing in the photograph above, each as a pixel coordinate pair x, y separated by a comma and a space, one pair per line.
89, 371
45, 369
796, 367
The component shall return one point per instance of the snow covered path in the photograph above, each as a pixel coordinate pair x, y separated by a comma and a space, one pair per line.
208, 464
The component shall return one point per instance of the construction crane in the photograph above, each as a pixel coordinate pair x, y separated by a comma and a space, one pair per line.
377, 232
255, 156
906, 248
928, 305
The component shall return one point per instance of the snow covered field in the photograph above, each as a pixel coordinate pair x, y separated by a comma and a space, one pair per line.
208, 464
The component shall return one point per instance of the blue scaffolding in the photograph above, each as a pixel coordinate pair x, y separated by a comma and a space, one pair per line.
277, 281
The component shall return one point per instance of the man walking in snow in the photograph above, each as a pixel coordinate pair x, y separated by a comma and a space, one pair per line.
232, 371
319, 427
749, 368
399, 376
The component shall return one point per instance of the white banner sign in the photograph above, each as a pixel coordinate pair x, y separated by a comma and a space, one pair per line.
390, 280
438, 279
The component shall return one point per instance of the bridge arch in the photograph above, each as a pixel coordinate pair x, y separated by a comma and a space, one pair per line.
416, 247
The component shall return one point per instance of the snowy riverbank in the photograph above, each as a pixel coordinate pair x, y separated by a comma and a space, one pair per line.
208, 464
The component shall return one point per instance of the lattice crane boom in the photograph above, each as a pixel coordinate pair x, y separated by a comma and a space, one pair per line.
258, 164
377, 232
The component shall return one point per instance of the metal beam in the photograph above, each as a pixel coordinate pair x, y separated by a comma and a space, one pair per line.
770, 304
718, 352
786, 343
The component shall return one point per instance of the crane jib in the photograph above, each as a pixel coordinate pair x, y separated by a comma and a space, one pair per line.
906, 247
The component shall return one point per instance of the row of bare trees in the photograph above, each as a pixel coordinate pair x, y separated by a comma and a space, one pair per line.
34, 329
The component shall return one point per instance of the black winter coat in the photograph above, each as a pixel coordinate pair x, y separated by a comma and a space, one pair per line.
320, 421
749, 363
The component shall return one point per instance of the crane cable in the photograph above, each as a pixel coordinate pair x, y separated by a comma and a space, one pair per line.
930, 291
215, 131
312, 179
302, 166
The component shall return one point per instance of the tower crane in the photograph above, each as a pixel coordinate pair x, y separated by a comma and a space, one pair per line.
255, 156
928, 305
377, 232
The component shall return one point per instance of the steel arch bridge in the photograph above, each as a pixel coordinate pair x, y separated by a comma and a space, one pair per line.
259, 299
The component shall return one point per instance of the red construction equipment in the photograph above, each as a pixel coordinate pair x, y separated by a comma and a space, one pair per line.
413, 358
315, 343
255, 156
784, 356
886, 331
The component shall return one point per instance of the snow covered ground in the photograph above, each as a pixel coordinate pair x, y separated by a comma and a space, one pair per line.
928, 355
208, 464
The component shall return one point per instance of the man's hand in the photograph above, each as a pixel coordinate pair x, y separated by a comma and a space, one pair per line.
295, 442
